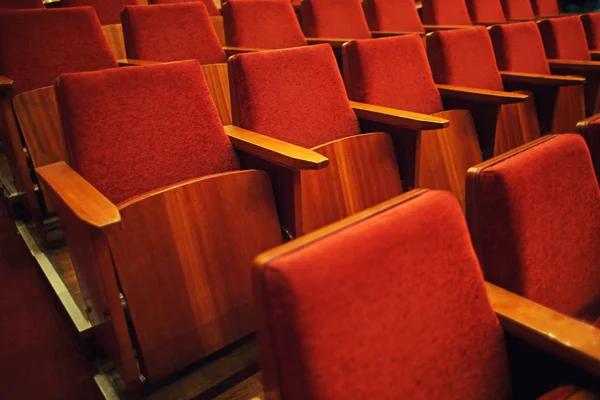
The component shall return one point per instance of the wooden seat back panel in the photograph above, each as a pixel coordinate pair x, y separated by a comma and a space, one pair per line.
116, 41
217, 78
362, 172
183, 258
517, 124
446, 154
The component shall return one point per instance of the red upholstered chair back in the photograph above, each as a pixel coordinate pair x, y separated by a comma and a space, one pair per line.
133, 130
264, 24
334, 19
445, 12
20, 4
485, 10
535, 221
591, 24
545, 8
464, 57
393, 15
108, 10
564, 38
392, 72
390, 307
210, 5
38, 45
171, 32
296, 95
517, 9
519, 48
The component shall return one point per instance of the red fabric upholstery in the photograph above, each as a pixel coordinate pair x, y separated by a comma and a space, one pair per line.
545, 8
517, 9
334, 19
263, 24
392, 72
171, 32
210, 5
445, 12
564, 38
32, 60
519, 48
464, 57
392, 307
20, 4
485, 10
132, 130
108, 10
591, 24
537, 217
393, 15
296, 95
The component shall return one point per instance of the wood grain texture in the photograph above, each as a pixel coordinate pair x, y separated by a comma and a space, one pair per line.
183, 257
566, 337
217, 21
517, 124
480, 95
273, 150
447, 154
362, 172
114, 35
217, 78
590, 70
539, 79
397, 118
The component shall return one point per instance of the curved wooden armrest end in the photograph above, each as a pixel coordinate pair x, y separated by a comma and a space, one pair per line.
5, 82
584, 123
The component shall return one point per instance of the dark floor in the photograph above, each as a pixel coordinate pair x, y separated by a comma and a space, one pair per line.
38, 354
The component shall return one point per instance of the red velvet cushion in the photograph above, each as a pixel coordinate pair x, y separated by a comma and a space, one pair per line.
296, 95
564, 38
392, 72
171, 32
132, 130
393, 307
538, 218
486, 10
37, 45
108, 10
445, 12
20, 4
591, 23
464, 57
264, 24
393, 15
334, 19
210, 5
545, 8
519, 48
517, 9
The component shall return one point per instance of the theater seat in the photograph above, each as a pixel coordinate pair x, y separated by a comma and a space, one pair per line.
534, 215
591, 24
559, 99
108, 10
210, 5
465, 57
77, 44
262, 24
297, 95
154, 181
545, 8
421, 325
446, 12
393, 16
518, 9
486, 11
21, 4
394, 72
567, 50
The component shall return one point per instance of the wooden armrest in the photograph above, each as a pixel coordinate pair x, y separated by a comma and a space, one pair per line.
394, 117
541, 80
84, 200
378, 34
432, 28
481, 95
274, 150
5, 83
574, 65
132, 62
570, 339
335, 43
230, 51
490, 23
583, 124
595, 55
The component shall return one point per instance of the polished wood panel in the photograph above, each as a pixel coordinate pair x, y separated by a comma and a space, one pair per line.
590, 70
480, 95
62, 263
447, 154
199, 239
217, 21
114, 35
217, 78
362, 172
517, 124
397, 118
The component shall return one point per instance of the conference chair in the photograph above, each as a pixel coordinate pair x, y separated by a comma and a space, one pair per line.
108, 11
